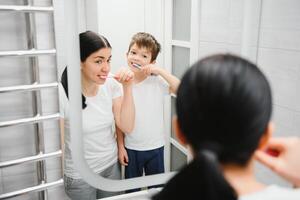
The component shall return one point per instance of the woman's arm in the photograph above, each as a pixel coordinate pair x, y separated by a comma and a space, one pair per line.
123, 107
122, 153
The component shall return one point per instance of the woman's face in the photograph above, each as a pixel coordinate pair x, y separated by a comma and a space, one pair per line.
97, 66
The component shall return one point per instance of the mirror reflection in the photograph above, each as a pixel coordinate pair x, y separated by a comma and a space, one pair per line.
123, 115
207, 29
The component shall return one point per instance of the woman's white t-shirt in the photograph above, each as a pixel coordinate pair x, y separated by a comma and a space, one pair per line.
273, 192
100, 148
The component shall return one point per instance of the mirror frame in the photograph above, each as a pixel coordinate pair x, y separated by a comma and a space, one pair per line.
73, 55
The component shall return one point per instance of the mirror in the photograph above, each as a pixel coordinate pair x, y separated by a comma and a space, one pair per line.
197, 29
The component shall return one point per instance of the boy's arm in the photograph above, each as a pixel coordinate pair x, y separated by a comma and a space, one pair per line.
172, 80
122, 153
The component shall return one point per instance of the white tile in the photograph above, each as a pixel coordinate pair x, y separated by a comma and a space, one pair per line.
1, 181
208, 48
52, 135
13, 31
47, 69
54, 175
42, 2
17, 71
281, 14
297, 124
16, 106
17, 182
282, 39
285, 121
20, 170
215, 10
221, 34
282, 69
49, 98
27, 196
44, 31
16, 142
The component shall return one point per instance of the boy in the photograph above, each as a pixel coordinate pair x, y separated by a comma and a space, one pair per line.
145, 144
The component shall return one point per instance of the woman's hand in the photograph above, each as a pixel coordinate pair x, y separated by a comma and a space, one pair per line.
282, 155
125, 77
123, 156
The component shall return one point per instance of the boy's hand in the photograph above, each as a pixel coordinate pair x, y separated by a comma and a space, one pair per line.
151, 69
125, 77
123, 156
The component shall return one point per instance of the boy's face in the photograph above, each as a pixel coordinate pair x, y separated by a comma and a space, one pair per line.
138, 56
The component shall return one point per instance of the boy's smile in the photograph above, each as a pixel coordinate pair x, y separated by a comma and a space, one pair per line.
138, 57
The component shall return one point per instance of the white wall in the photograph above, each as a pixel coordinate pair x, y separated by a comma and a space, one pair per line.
275, 46
278, 53
119, 20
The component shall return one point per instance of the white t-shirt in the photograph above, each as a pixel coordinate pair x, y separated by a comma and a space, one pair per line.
270, 193
274, 192
100, 148
148, 132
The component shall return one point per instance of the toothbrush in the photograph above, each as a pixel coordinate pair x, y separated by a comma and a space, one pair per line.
139, 67
111, 75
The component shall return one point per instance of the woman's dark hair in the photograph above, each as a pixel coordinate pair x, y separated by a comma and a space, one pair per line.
223, 105
90, 42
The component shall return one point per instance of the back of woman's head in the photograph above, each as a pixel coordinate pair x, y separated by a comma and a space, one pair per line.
224, 105
91, 42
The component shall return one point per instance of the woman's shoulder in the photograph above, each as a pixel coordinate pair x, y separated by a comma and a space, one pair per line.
274, 192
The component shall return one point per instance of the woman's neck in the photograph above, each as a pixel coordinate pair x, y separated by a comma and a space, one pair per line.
88, 88
242, 179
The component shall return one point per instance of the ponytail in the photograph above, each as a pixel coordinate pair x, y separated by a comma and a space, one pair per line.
64, 82
201, 179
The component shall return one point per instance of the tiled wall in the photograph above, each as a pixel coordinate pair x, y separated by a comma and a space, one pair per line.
19, 141
278, 53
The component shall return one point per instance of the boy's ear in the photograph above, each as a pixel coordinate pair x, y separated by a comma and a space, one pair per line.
178, 132
266, 136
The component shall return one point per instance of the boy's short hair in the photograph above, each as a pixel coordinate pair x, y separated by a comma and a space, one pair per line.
142, 39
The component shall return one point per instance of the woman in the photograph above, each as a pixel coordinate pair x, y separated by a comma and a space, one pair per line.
224, 108
104, 104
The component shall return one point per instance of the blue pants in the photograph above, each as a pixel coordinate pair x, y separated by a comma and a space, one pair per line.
151, 162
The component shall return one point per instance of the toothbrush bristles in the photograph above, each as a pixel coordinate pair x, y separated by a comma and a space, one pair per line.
136, 65
111, 75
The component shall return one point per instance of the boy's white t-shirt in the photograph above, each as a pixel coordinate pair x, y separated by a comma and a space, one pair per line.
100, 148
273, 192
148, 132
